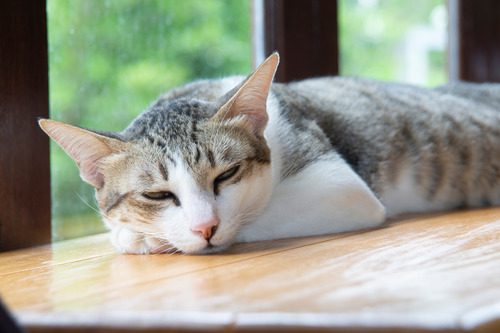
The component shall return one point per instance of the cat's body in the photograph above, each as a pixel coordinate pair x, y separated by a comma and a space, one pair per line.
311, 157
418, 149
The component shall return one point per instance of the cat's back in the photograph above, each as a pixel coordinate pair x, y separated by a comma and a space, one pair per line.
357, 95
377, 112
419, 149
487, 94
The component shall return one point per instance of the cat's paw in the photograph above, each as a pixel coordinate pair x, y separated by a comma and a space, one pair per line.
131, 242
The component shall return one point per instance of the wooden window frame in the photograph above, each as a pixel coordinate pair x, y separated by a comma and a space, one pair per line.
305, 32
307, 49
474, 47
24, 149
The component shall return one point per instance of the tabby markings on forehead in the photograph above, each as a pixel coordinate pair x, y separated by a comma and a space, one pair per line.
194, 129
211, 159
146, 178
163, 171
172, 160
157, 141
114, 200
197, 155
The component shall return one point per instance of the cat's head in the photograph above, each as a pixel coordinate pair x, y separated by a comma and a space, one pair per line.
188, 173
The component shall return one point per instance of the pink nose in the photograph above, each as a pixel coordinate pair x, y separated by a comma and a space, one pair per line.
206, 229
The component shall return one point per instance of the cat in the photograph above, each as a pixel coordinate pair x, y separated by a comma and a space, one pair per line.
243, 159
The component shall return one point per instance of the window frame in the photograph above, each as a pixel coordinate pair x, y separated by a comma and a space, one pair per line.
474, 50
25, 211
307, 49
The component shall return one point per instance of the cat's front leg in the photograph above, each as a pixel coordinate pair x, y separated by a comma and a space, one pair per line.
132, 242
325, 197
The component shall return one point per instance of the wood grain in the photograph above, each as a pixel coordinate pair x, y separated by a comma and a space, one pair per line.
427, 273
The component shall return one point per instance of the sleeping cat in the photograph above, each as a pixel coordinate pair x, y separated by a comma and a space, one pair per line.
219, 161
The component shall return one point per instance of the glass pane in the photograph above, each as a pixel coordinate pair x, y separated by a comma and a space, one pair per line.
394, 40
110, 58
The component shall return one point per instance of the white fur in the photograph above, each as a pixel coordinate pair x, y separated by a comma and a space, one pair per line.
175, 222
272, 137
242, 203
325, 197
407, 196
128, 241
232, 207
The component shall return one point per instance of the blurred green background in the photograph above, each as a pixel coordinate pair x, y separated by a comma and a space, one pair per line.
394, 40
109, 59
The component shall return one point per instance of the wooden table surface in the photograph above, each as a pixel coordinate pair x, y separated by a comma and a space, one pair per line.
427, 273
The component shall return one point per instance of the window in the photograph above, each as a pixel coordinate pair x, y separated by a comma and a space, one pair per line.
394, 40
24, 164
110, 59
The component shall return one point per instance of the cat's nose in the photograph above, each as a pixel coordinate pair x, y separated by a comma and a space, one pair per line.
206, 229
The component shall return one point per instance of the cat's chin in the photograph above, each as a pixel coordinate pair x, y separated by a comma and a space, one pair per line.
129, 242
209, 249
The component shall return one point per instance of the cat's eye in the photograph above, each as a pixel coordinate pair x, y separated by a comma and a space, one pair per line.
161, 195
226, 175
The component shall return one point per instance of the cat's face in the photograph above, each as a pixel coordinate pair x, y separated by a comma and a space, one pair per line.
194, 195
185, 175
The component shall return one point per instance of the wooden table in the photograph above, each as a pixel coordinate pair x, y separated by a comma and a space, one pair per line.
427, 273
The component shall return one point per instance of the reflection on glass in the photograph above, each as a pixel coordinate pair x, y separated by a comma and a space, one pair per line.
394, 40
110, 58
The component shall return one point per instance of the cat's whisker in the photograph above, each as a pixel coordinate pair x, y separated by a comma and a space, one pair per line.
245, 217
150, 233
174, 252
163, 248
92, 207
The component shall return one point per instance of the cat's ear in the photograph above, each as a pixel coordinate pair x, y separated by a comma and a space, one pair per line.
86, 148
248, 101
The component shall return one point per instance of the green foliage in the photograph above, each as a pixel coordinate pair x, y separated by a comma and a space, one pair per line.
109, 59
372, 32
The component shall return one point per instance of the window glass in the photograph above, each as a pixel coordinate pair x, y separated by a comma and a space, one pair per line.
110, 58
394, 40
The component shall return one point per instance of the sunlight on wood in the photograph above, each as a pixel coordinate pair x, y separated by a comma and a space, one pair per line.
437, 272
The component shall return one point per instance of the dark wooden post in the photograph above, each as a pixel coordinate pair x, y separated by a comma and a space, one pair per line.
24, 150
305, 33
475, 29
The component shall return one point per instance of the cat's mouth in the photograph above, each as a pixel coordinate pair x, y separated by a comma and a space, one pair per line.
208, 249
